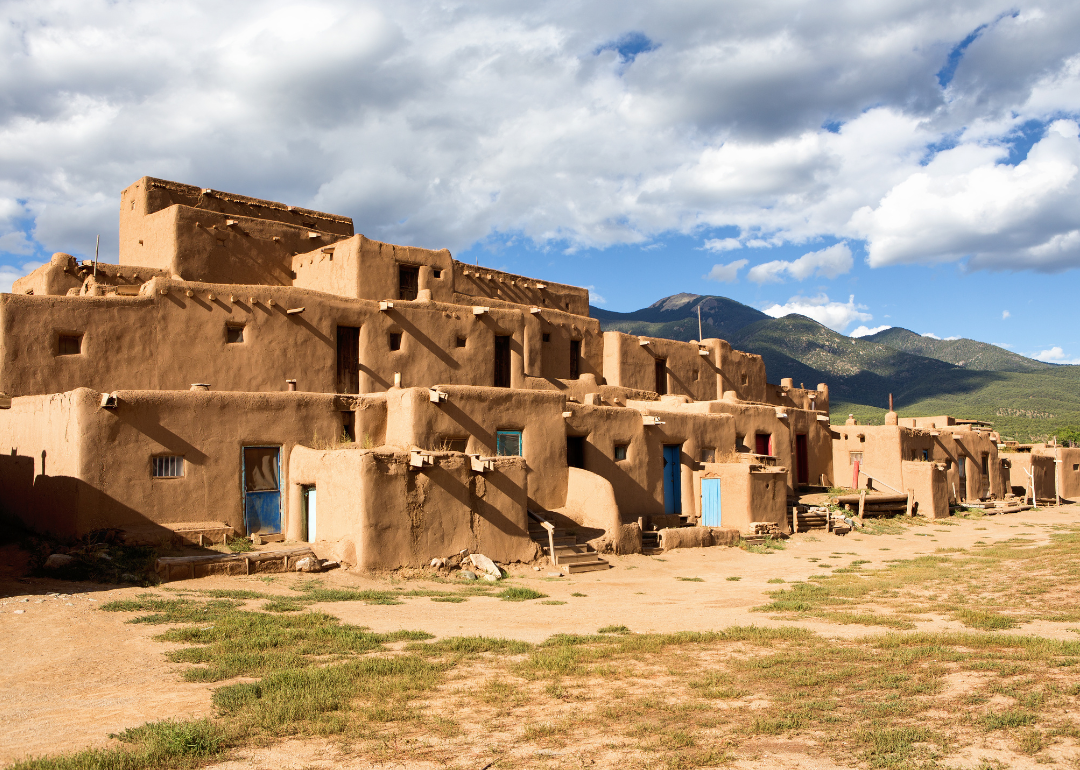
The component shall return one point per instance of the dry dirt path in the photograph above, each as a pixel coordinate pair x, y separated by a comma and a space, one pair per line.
72, 675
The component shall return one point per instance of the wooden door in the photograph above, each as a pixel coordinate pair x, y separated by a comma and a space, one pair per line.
710, 503
348, 359
408, 282
262, 489
672, 478
761, 443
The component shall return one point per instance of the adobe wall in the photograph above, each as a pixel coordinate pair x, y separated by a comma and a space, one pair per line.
748, 493
1043, 467
591, 504
41, 459
882, 448
167, 341
969, 446
476, 413
751, 420
361, 268
926, 482
478, 283
929, 423
737, 372
1067, 469
376, 511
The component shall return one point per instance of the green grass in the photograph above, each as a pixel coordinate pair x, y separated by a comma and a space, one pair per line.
518, 594
733, 578
691, 579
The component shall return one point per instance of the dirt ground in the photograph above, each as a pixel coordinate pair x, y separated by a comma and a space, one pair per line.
72, 675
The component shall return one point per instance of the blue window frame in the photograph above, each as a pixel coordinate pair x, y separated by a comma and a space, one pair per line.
508, 443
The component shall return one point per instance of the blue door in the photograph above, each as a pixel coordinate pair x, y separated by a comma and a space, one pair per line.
710, 502
672, 478
262, 489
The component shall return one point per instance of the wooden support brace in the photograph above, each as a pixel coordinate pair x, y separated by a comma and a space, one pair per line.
862, 504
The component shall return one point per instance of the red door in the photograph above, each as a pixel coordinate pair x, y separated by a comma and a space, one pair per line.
762, 443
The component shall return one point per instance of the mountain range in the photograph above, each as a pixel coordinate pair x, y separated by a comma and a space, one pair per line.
1025, 399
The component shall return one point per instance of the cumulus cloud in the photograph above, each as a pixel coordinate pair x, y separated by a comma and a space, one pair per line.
595, 298
1055, 355
10, 274
836, 315
866, 331
827, 263
722, 244
1005, 314
449, 124
726, 273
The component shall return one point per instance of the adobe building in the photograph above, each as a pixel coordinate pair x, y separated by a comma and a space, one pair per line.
938, 460
261, 367
1052, 471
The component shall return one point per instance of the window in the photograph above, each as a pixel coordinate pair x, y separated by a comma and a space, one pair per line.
926, 454
408, 282
620, 451
461, 342
740, 443
395, 340
234, 334
744, 379
661, 376
508, 443
168, 467
948, 465
575, 359
985, 463
1076, 466
436, 272
453, 444
546, 337
575, 451
708, 455
348, 427
70, 345
854, 457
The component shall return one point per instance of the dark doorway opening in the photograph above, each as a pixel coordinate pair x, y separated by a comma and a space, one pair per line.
761, 443
802, 460
348, 359
661, 376
408, 282
575, 359
502, 361
575, 451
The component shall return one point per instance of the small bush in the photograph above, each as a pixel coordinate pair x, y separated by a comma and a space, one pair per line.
519, 595
613, 630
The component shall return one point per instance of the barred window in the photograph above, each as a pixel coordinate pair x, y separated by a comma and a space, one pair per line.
168, 467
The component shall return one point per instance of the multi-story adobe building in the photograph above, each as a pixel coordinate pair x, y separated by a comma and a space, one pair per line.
246, 359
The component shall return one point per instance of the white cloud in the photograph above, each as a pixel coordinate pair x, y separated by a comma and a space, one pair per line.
726, 273
449, 124
931, 335
1004, 314
721, 244
595, 298
865, 331
826, 263
1055, 355
836, 315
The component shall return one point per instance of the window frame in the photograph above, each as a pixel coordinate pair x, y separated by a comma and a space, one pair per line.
167, 462
235, 327
519, 434
625, 447
62, 336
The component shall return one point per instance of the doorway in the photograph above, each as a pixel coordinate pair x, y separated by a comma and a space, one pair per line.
660, 371
575, 451
262, 489
408, 282
348, 359
802, 460
710, 503
961, 468
762, 443
502, 361
575, 359
310, 529
672, 478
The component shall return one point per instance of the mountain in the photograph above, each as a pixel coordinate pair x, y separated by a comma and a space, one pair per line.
969, 354
1025, 399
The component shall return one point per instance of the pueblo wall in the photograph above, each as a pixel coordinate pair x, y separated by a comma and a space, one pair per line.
476, 414
482, 283
960, 445
217, 237
926, 483
748, 493
174, 334
1043, 468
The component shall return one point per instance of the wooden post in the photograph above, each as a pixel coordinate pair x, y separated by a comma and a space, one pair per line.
862, 505
794, 519
910, 494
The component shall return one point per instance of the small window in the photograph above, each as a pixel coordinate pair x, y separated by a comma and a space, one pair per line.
948, 465
508, 443
575, 359
744, 380
461, 342
234, 334
168, 467
708, 455
436, 272
547, 337
926, 454
1076, 466
985, 463
620, 451
70, 344
395, 340
453, 444
348, 427
854, 457
740, 443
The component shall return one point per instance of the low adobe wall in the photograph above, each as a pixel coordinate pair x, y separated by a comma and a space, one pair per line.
376, 511
926, 483
748, 494
1042, 466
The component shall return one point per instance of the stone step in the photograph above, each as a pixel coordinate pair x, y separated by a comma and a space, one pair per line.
588, 566
575, 558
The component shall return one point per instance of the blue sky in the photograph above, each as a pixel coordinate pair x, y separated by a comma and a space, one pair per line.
912, 163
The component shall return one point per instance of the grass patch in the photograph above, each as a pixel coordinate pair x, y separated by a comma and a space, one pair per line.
613, 630
691, 579
518, 594
733, 578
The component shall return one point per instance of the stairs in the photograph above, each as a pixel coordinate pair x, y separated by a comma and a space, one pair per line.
569, 556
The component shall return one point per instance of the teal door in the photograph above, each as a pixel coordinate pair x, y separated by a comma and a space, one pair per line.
710, 502
672, 478
262, 489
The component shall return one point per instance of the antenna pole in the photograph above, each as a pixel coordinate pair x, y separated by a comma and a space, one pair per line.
97, 248
699, 322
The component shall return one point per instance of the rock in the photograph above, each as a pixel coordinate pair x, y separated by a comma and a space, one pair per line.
453, 562
490, 578
308, 564
487, 565
554, 574
58, 560
465, 574
536, 569
20, 612
326, 564
438, 563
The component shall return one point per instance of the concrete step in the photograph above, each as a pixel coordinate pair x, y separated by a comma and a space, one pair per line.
588, 566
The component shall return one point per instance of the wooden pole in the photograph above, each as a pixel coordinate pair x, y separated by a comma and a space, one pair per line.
862, 505
910, 494
699, 332
795, 519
